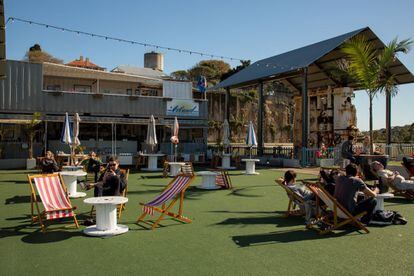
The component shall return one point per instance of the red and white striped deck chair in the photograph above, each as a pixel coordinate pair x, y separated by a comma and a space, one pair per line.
223, 180
174, 191
54, 197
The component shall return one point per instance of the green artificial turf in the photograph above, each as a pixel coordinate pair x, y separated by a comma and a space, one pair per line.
239, 232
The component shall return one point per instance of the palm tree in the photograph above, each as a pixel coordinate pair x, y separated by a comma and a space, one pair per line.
30, 129
387, 81
370, 68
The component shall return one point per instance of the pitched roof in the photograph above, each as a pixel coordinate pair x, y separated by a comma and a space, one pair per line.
84, 63
318, 57
139, 71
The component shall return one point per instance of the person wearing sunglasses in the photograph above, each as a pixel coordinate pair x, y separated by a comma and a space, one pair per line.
111, 182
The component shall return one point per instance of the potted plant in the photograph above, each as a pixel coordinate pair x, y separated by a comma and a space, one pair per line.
30, 130
324, 158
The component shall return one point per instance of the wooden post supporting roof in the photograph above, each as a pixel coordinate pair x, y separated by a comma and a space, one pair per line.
227, 103
260, 118
305, 115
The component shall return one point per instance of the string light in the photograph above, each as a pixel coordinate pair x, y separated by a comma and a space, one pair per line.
12, 19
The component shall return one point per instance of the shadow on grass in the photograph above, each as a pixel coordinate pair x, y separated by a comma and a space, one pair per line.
250, 212
284, 237
51, 236
17, 199
32, 234
399, 201
159, 176
276, 220
14, 181
240, 191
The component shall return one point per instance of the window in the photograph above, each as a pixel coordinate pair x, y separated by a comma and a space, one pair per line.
53, 87
82, 88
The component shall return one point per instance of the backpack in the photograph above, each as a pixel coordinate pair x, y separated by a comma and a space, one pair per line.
387, 217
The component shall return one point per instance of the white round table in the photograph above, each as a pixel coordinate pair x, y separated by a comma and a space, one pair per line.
106, 217
152, 161
72, 168
175, 168
71, 181
250, 166
208, 180
226, 162
380, 200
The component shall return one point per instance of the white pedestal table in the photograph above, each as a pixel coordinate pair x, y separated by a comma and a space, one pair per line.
380, 200
106, 217
71, 181
152, 162
208, 181
175, 168
226, 162
250, 166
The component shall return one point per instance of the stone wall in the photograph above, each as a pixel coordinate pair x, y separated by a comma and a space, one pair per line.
278, 114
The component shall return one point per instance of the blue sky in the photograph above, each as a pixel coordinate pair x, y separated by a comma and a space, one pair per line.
244, 29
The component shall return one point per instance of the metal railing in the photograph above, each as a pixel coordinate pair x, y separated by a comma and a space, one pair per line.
275, 151
311, 156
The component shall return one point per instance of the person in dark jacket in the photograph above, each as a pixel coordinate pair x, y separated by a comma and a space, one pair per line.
48, 164
111, 182
93, 165
347, 151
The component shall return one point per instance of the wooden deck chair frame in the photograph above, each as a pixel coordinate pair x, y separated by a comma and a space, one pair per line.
187, 168
227, 178
225, 175
121, 207
333, 220
294, 200
410, 175
165, 209
165, 169
41, 215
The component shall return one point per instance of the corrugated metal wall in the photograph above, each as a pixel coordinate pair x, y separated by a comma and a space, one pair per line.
177, 89
21, 92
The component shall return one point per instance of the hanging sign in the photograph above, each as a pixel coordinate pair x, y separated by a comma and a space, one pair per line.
181, 107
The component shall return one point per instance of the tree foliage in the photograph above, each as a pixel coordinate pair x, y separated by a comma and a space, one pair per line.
370, 67
35, 54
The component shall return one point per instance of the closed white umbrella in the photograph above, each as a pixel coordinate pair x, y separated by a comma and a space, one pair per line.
76, 121
251, 140
151, 133
66, 135
226, 134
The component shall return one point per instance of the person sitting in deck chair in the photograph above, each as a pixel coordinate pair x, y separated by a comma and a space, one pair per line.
302, 191
347, 189
48, 164
93, 164
408, 163
394, 177
328, 179
111, 182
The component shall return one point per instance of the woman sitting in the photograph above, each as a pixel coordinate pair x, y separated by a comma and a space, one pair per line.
328, 178
303, 192
48, 164
93, 164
